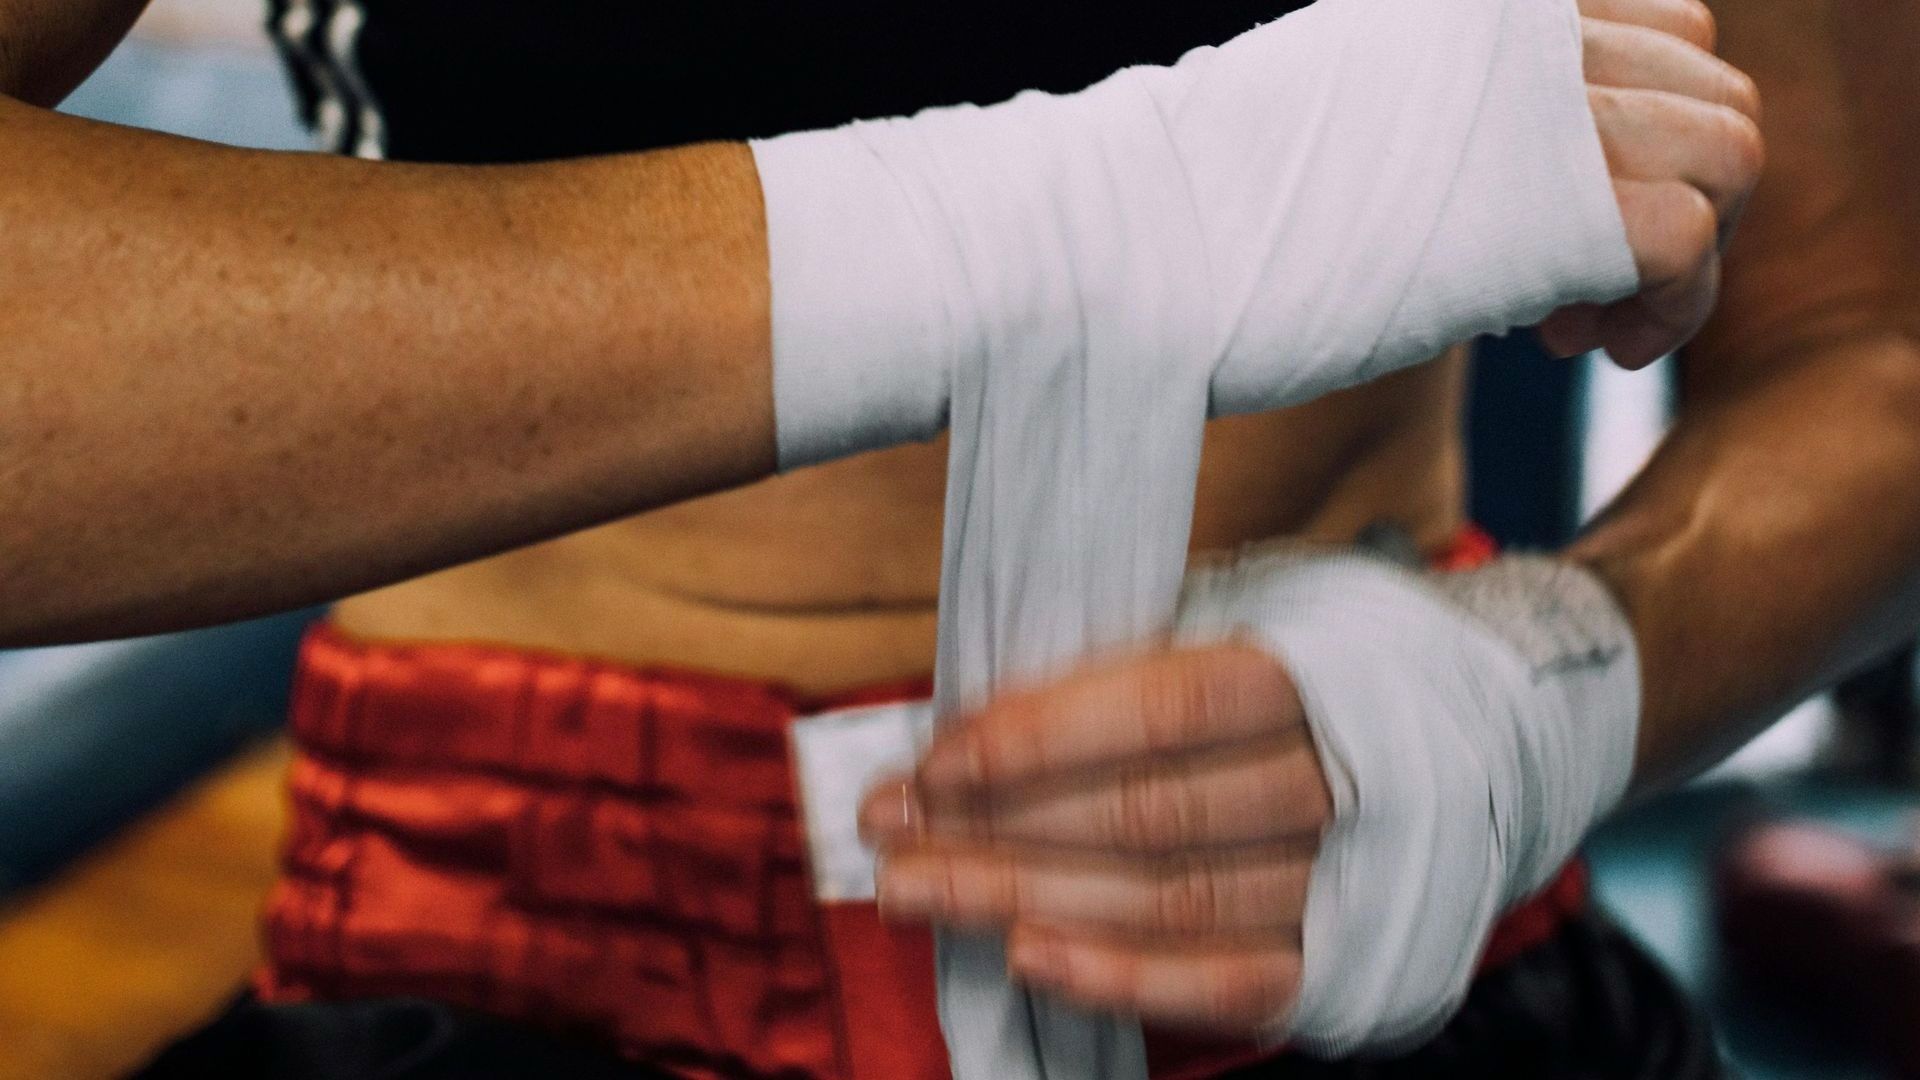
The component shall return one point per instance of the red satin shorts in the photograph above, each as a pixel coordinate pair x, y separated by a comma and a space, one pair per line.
613, 852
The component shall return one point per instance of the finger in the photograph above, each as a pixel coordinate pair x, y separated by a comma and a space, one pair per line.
1572, 331
1252, 793
1637, 58
1641, 329
1164, 702
1689, 20
1655, 136
978, 888
1228, 989
891, 812
1672, 229
1680, 277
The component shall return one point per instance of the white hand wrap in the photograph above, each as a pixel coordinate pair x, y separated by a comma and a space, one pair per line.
1079, 280
1336, 194
1472, 727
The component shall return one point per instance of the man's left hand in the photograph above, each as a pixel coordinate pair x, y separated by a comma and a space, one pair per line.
1143, 832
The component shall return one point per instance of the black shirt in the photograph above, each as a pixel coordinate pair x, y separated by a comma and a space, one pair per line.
518, 80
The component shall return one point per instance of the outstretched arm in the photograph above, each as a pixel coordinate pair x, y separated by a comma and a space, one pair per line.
234, 381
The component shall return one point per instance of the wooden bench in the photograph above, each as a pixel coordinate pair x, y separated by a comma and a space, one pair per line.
146, 937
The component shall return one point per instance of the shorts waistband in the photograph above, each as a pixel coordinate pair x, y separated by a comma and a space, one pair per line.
615, 851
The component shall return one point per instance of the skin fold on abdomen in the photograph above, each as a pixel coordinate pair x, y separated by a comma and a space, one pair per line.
827, 578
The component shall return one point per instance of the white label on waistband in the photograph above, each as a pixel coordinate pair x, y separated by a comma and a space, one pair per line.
838, 756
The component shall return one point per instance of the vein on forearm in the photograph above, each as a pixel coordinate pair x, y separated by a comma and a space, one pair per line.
1771, 546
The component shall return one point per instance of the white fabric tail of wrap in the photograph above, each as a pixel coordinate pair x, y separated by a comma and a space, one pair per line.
1077, 281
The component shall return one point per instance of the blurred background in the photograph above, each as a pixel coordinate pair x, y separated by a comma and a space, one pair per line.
139, 780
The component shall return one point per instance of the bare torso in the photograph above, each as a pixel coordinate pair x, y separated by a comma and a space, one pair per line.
827, 578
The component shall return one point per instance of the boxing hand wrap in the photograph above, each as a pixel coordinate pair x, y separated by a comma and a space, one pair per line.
1077, 281
1472, 728
1332, 195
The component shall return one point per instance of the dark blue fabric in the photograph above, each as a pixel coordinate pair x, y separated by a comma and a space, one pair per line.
1524, 422
91, 736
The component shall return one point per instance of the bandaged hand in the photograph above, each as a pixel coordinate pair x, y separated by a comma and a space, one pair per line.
1333, 195
1300, 822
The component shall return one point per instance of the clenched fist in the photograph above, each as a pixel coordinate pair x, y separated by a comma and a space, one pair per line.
1682, 138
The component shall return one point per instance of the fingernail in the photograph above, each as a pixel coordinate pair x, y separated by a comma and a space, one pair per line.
890, 811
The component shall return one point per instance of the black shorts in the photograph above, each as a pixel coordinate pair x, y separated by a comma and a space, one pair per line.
1588, 1004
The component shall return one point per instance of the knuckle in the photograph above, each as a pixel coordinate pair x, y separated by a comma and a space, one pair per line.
1016, 894
991, 891
1251, 996
1133, 824
1684, 231
938, 878
1190, 823
1115, 820
1263, 680
1178, 700
1282, 891
1743, 93
1188, 902
1319, 798
1698, 24
984, 754
1012, 742
1745, 144
1698, 227
952, 892
1150, 813
1624, 118
1009, 738
1304, 791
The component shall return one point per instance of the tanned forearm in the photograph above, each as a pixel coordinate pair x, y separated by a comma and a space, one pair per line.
1774, 542
1772, 546
233, 382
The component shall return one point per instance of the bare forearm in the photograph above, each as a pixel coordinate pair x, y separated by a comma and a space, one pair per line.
1773, 545
232, 382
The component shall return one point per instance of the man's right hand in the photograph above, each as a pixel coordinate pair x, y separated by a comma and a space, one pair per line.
1682, 137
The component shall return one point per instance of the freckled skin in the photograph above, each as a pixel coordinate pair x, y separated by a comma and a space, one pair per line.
375, 344
437, 364
419, 365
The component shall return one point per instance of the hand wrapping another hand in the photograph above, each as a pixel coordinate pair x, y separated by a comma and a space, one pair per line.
1299, 824
1144, 830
